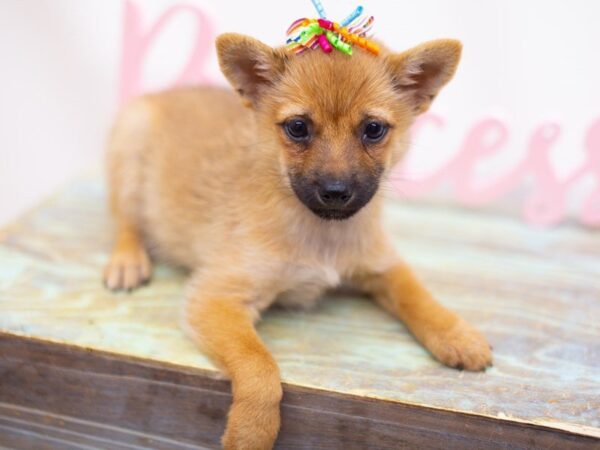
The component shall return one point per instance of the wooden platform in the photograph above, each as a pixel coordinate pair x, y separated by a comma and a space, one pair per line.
82, 368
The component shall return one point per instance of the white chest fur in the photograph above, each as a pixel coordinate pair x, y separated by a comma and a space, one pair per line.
302, 285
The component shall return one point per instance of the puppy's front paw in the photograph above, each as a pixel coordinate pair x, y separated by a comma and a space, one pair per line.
461, 347
251, 426
127, 269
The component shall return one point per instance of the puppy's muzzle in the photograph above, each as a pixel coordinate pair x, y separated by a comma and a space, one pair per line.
333, 198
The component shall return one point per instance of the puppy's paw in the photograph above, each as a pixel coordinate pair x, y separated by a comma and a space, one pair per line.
251, 427
127, 270
461, 347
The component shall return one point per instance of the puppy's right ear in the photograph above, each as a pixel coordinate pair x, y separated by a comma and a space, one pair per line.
250, 66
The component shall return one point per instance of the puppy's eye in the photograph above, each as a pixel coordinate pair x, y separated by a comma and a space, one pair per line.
297, 130
374, 132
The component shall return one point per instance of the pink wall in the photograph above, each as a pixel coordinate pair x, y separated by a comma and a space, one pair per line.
519, 124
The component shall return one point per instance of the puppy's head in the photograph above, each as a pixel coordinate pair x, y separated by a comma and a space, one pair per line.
336, 122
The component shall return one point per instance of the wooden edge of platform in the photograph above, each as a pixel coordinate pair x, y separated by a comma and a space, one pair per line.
64, 396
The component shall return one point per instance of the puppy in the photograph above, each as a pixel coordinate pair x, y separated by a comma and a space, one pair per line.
275, 198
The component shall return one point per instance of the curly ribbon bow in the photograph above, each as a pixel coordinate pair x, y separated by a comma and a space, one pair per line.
306, 33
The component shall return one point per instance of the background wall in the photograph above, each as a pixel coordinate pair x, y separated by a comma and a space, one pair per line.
525, 62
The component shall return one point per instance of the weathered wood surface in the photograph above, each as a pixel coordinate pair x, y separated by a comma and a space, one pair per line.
535, 293
99, 400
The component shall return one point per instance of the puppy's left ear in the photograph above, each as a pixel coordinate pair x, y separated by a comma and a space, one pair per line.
422, 71
249, 65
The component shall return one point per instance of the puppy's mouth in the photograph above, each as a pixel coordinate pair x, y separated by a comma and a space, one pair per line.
335, 214
332, 199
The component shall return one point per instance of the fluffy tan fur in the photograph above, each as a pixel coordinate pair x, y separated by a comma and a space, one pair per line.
201, 181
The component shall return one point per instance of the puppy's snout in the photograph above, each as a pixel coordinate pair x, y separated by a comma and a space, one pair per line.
334, 193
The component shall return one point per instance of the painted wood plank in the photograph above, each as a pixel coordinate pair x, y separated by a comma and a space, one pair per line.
535, 293
86, 398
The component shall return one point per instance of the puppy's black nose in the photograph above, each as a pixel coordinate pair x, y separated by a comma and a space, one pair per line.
334, 193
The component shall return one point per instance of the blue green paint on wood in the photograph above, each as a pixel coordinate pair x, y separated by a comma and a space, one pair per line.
535, 294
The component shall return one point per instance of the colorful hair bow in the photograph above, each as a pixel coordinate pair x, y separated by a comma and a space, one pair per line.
306, 34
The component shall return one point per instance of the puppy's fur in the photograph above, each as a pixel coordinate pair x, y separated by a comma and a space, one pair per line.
204, 182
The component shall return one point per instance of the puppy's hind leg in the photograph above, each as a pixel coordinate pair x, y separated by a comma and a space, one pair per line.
129, 265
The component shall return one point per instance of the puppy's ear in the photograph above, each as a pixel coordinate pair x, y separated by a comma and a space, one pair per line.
422, 71
249, 65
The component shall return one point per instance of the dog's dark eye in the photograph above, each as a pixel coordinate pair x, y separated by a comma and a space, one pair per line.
374, 132
297, 129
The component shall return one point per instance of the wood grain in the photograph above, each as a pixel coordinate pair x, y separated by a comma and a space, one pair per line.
535, 294
69, 397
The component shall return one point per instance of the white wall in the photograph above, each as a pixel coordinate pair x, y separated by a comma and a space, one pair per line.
525, 60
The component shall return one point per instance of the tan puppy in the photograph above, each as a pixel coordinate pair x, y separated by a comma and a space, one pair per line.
277, 201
